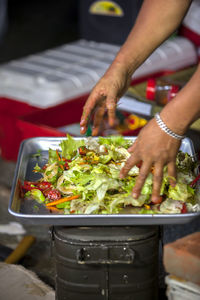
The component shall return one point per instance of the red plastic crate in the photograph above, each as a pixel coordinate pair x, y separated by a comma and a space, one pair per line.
46, 121
10, 110
19, 120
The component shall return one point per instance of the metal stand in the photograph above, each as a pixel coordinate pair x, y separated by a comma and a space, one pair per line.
106, 263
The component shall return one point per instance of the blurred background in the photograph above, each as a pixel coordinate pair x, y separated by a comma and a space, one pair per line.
51, 55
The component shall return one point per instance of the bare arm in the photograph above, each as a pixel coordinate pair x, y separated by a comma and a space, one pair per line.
154, 147
156, 21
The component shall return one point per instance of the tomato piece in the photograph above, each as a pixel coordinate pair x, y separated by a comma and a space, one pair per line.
44, 185
28, 185
184, 209
66, 165
53, 195
45, 192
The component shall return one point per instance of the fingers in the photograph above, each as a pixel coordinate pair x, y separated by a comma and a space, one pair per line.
98, 118
171, 167
144, 171
157, 182
131, 161
111, 103
88, 108
132, 148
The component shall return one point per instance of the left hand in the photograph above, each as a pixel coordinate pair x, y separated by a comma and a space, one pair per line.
154, 148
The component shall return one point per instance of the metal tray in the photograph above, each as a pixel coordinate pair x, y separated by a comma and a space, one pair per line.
29, 211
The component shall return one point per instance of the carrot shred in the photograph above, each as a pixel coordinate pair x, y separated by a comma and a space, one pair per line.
58, 155
62, 200
59, 159
54, 209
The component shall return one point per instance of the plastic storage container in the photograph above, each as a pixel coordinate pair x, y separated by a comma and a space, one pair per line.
106, 263
58, 75
181, 290
191, 26
48, 80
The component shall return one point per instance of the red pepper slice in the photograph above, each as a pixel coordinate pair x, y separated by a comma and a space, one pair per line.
184, 209
28, 185
195, 180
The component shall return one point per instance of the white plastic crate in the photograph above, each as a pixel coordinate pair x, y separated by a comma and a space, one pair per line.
60, 74
192, 17
181, 290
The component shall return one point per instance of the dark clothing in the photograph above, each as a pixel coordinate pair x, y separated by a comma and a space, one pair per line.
3, 17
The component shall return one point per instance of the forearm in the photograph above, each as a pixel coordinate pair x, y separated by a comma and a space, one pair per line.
184, 109
157, 20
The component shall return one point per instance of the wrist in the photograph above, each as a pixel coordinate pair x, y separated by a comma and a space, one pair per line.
119, 67
166, 129
174, 123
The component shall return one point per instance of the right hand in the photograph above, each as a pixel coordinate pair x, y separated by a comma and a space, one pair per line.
104, 96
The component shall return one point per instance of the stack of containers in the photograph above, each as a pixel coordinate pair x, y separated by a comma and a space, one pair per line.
55, 76
191, 26
43, 86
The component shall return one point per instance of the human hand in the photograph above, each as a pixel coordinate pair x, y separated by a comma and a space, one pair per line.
154, 148
104, 96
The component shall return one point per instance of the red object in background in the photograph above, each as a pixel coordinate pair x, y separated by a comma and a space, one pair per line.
19, 120
10, 139
46, 121
151, 89
161, 90
191, 35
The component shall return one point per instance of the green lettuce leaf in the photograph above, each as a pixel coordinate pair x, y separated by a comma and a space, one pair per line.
52, 156
37, 195
115, 141
181, 192
136, 202
70, 146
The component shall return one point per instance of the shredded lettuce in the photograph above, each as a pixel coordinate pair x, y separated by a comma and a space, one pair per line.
182, 192
70, 146
93, 174
37, 195
115, 141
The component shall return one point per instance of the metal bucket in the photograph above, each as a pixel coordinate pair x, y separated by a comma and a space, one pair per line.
96, 263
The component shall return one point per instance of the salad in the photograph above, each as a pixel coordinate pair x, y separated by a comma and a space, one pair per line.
82, 177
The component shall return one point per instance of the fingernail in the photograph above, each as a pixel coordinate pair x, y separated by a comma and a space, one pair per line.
82, 129
154, 198
111, 123
82, 122
134, 195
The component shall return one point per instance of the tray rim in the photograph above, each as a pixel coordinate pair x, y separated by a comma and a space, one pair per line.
144, 219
